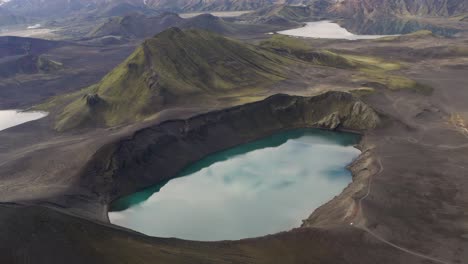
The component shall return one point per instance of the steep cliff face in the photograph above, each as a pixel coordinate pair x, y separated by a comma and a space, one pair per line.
158, 153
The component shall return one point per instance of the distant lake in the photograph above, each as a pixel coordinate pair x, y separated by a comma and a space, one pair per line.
327, 30
34, 32
218, 14
255, 189
11, 118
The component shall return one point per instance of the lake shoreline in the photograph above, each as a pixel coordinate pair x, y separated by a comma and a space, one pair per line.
269, 195
13, 118
326, 29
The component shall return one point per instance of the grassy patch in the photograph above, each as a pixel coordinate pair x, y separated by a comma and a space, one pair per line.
374, 70
172, 67
193, 66
410, 36
46, 65
363, 91
300, 49
368, 63
278, 41
393, 82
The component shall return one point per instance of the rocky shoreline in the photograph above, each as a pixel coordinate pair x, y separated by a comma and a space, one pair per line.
159, 152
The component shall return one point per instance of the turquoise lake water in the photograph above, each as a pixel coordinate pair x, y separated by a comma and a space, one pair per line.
255, 189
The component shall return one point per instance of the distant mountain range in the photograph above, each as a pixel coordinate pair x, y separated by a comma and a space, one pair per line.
14, 11
57, 8
210, 5
136, 25
402, 7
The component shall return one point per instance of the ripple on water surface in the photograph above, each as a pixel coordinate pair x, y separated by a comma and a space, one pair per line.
255, 189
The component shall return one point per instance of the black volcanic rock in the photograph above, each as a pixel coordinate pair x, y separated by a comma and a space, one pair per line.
92, 99
133, 163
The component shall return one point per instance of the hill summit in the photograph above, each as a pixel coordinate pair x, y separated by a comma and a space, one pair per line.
172, 67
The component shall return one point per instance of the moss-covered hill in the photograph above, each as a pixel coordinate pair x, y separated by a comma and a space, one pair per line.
193, 67
27, 64
141, 26
370, 71
222, 26
136, 25
172, 67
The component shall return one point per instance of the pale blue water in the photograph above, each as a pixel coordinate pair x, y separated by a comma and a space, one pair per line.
326, 30
255, 189
11, 118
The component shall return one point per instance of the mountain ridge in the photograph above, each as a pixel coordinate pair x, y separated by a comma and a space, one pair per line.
153, 77
400, 7
138, 25
54, 8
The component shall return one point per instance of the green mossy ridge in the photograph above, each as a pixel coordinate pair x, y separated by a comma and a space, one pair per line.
369, 69
410, 36
290, 44
393, 82
47, 65
172, 67
300, 49
28, 64
177, 67
363, 91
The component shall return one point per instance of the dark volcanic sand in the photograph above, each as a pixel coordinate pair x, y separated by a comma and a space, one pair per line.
407, 202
